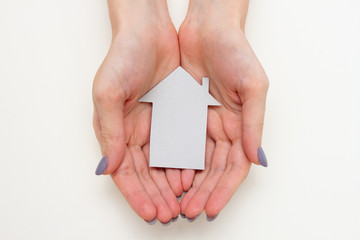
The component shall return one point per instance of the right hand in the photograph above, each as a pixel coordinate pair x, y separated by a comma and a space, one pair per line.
143, 52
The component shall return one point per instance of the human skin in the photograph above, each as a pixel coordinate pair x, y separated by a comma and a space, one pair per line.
143, 51
213, 44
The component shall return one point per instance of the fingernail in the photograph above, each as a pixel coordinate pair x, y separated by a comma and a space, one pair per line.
179, 197
192, 219
175, 219
101, 168
185, 192
209, 219
152, 222
167, 223
182, 215
262, 158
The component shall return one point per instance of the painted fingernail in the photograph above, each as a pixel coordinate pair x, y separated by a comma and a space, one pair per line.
152, 222
179, 197
262, 158
167, 223
210, 219
192, 219
182, 215
175, 219
101, 168
185, 192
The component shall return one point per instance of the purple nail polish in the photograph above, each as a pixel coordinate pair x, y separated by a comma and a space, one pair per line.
179, 197
210, 219
185, 192
175, 219
262, 158
103, 164
182, 215
192, 219
152, 222
167, 223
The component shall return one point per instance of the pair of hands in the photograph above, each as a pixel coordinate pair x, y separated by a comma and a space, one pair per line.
144, 50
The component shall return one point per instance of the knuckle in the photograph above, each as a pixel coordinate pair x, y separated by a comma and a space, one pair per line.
254, 127
105, 90
143, 171
126, 170
256, 85
235, 167
106, 95
111, 139
259, 127
217, 168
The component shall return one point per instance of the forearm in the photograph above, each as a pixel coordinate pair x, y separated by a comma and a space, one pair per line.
229, 11
127, 13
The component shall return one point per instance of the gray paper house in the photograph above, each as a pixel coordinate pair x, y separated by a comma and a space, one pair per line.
178, 122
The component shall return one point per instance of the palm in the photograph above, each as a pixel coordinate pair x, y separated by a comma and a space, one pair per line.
226, 57
132, 67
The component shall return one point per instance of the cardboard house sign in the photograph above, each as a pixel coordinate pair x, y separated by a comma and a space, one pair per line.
178, 122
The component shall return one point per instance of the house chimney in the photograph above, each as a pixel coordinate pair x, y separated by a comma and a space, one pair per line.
205, 84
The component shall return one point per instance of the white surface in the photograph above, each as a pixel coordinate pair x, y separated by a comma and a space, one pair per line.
49, 53
178, 121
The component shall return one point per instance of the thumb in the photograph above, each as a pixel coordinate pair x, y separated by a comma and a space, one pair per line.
253, 111
111, 137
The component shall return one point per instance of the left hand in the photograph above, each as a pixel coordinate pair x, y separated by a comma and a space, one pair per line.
217, 48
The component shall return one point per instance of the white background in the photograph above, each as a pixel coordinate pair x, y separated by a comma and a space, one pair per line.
49, 53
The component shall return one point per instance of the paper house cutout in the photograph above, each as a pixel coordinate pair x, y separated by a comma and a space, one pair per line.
178, 122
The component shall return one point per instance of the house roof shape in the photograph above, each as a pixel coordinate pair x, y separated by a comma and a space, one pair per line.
182, 86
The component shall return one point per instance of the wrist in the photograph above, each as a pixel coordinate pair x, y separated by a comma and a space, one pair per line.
130, 14
230, 13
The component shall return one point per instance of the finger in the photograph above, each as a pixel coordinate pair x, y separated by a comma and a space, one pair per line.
218, 164
159, 177
174, 178
199, 176
97, 126
237, 169
110, 113
188, 196
164, 213
187, 177
253, 109
130, 186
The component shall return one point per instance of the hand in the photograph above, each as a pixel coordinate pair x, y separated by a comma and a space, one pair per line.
212, 44
144, 50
